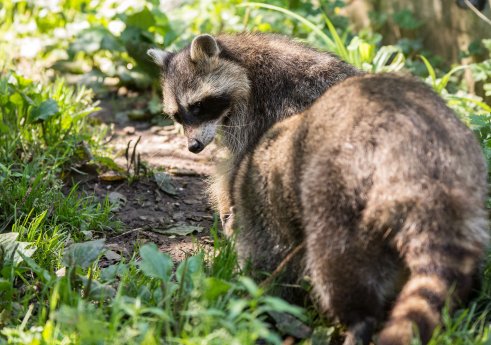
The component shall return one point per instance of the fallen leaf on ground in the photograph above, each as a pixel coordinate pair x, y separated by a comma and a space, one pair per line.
117, 200
112, 255
290, 325
183, 172
179, 230
111, 176
164, 181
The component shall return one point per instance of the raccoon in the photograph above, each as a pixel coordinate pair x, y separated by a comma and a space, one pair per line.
240, 85
372, 176
386, 188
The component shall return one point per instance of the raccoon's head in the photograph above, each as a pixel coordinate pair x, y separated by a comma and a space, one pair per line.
200, 88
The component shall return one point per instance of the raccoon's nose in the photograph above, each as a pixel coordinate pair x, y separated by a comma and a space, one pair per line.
195, 146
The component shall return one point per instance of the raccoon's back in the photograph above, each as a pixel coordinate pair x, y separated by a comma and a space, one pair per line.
365, 141
388, 129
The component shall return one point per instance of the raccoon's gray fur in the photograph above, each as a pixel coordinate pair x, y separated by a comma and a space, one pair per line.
240, 85
386, 187
379, 179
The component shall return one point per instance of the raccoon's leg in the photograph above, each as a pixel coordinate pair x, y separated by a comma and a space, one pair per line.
361, 332
220, 194
440, 262
351, 279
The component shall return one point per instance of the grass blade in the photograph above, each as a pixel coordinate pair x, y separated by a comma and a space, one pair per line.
329, 42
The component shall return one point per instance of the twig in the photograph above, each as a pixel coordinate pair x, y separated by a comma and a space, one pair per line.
477, 12
282, 265
127, 233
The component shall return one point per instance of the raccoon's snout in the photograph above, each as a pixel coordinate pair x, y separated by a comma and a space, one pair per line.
195, 146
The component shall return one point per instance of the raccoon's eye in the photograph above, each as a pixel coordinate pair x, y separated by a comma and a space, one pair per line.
195, 108
213, 107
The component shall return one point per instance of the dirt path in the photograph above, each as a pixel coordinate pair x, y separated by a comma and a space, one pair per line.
148, 213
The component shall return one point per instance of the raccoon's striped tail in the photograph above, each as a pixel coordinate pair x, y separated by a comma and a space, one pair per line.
441, 270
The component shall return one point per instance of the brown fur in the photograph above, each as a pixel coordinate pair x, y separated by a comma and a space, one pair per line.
380, 179
268, 78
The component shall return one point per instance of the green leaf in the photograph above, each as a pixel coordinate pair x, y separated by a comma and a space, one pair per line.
251, 286
16, 99
445, 79
44, 111
215, 288
82, 254
188, 270
94, 39
143, 19
430, 69
279, 305
12, 249
406, 20
154, 263
340, 45
41, 272
98, 291
110, 273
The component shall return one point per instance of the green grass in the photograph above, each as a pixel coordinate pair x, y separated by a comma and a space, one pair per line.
52, 290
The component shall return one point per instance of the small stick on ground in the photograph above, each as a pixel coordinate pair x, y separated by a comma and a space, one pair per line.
127, 233
266, 282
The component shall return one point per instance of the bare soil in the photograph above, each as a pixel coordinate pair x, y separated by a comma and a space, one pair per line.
148, 211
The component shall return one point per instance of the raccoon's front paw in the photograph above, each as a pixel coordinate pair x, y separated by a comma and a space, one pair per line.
228, 222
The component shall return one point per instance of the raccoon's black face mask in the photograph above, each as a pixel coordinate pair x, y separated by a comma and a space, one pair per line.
200, 88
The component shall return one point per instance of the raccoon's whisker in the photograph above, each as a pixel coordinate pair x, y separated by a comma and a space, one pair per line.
234, 139
237, 126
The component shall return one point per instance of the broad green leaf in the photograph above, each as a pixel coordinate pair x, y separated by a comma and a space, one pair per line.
12, 249
82, 254
279, 305
143, 19
251, 286
155, 263
215, 287
112, 272
16, 99
188, 270
40, 271
94, 39
98, 291
44, 111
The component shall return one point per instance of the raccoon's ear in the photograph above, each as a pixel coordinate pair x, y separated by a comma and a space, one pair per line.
204, 46
159, 56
